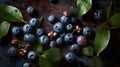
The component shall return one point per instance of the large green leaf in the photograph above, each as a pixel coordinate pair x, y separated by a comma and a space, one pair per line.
115, 20
87, 51
53, 54
11, 13
102, 38
4, 28
83, 6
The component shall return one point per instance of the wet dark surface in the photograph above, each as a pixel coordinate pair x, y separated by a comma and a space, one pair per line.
110, 56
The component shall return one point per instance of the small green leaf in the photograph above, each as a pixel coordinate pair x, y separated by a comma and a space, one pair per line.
115, 20
83, 6
88, 51
11, 13
97, 62
108, 12
38, 48
40, 21
53, 54
102, 38
4, 28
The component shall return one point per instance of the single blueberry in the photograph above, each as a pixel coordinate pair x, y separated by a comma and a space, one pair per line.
15, 30
65, 20
74, 48
29, 38
52, 19
58, 27
44, 39
32, 55
27, 28
34, 22
30, 10
69, 57
69, 27
69, 37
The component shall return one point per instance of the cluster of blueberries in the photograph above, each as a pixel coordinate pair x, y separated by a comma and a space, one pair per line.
65, 31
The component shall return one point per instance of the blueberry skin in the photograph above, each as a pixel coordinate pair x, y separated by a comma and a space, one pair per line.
30, 10
39, 32
34, 22
44, 39
87, 31
12, 51
65, 20
52, 43
58, 27
27, 28
52, 19
69, 57
98, 14
69, 37
74, 48
73, 20
81, 40
69, 27
59, 40
26, 65
15, 30
62, 35
32, 55
29, 38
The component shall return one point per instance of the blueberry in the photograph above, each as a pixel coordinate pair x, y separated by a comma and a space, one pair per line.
15, 30
58, 27
59, 40
32, 55
26, 65
29, 38
44, 39
40, 31
69, 57
34, 22
52, 19
69, 37
65, 20
12, 51
30, 10
52, 43
27, 28
74, 48
87, 31
81, 40
73, 20
62, 35
98, 14
69, 27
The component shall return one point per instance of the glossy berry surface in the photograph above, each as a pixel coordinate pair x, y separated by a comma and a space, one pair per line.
98, 14
69, 37
81, 40
29, 38
58, 27
12, 51
26, 65
59, 40
52, 19
30, 10
65, 20
32, 55
44, 39
39, 32
69, 27
15, 30
27, 28
69, 57
33, 22
87, 31
74, 48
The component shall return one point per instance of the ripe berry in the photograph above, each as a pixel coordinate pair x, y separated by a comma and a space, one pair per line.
30, 10
69, 27
69, 37
69, 57
87, 31
12, 51
59, 40
39, 32
44, 39
52, 19
81, 40
29, 38
58, 27
65, 20
98, 14
34, 22
15, 30
27, 28
26, 65
32, 55
74, 48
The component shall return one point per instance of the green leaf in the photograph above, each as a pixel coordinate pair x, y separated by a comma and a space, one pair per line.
88, 51
102, 38
83, 6
115, 20
97, 62
40, 21
108, 12
4, 28
53, 54
11, 13
38, 48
